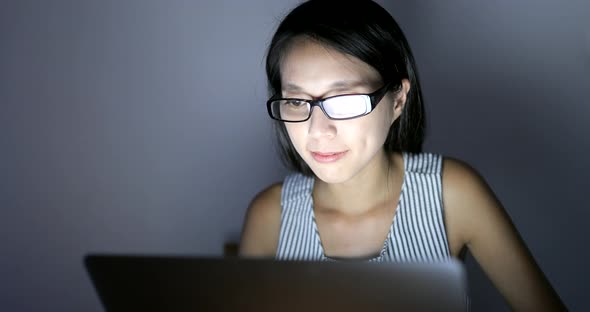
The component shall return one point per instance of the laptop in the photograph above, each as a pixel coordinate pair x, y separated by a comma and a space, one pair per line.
173, 283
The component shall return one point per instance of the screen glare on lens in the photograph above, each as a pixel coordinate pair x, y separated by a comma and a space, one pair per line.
347, 106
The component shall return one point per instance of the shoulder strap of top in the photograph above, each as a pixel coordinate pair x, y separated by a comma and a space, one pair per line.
296, 187
419, 232
298, 238
426, 163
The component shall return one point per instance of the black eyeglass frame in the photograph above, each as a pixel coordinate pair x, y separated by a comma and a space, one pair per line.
375, 98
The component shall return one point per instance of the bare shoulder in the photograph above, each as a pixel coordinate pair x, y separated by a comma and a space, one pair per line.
460, 182
260, 233
459, 178
476, 219
467, 200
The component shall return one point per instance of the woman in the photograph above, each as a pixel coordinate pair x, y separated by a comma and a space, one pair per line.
350, 120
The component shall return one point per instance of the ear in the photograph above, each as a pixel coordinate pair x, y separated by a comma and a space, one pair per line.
399, 101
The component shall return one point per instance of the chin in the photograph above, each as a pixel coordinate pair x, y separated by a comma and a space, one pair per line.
332, 176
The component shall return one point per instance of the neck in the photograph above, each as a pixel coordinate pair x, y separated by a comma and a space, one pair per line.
369, 188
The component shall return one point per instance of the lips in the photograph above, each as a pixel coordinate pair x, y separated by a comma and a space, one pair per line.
328, 157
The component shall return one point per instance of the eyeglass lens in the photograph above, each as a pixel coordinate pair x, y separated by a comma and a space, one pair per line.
338, 107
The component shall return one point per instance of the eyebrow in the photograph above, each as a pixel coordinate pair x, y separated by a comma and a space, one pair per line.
340, 84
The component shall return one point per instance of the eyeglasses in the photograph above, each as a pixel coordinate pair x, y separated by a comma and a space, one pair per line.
338, 107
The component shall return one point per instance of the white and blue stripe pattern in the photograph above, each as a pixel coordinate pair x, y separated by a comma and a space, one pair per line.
417, 232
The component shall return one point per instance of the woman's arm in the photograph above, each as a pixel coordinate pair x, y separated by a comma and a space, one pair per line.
260, 234
480, 222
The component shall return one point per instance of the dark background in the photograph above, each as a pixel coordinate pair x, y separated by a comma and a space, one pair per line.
140, 127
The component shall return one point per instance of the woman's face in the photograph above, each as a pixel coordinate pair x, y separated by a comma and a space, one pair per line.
337, 150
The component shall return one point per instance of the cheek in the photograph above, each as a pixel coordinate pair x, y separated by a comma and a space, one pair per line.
384, 121
373, 131
386, 110
296, 134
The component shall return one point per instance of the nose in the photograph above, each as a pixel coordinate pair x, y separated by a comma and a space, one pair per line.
320, 126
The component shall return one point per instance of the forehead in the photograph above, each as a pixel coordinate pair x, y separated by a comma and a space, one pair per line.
309, 64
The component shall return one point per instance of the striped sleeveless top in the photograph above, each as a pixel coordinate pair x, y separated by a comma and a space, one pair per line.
417, 231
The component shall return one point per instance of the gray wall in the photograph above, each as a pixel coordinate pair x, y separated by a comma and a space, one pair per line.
139, 127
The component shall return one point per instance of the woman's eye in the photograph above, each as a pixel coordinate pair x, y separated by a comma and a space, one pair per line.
295, 103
